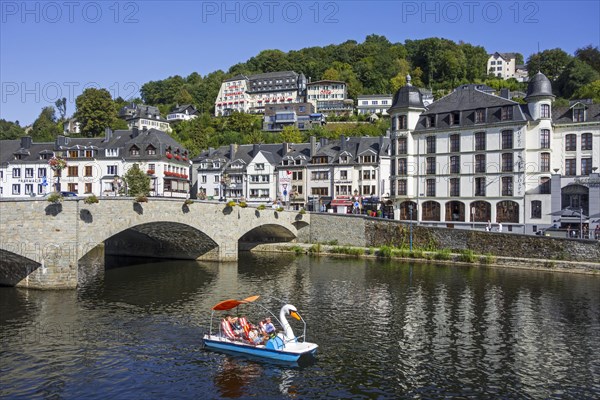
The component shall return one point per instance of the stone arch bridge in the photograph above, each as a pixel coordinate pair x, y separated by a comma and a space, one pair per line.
42, 244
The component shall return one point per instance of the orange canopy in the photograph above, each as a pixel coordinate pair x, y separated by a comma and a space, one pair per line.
231, 303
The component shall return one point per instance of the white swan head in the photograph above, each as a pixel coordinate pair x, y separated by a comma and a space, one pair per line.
288, 309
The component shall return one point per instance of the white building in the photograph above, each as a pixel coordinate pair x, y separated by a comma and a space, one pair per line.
140, 116
329, 97
473, 157
94, 165
251, 94
185, 112
504, 65
374, 104
313, 175
233, 96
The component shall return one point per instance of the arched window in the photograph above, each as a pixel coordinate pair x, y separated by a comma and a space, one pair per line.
455, 211
405, 213
507, 211
431, 211
483, 211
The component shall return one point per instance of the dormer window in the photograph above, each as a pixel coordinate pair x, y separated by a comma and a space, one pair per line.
134, 151
368, 159
480, 115
344, 160
73, 154
578, 114
151, 150
430, 121
507, 113
455, 118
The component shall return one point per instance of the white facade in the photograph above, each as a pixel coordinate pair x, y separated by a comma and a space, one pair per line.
502, 65
93, 166
329, 97
149, 123
232, 97
473, 157
374, 104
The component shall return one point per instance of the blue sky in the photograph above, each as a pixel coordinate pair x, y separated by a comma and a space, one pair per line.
54, 49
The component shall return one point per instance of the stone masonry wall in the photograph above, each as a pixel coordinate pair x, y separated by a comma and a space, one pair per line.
367, 232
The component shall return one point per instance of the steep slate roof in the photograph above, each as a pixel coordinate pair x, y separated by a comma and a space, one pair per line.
467, 100
564, 115
182, 108
324, 81
539, 85
407, 96
123, 139
268, 75
506, 56
238, 77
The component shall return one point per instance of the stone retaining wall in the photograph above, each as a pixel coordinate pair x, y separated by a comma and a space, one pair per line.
372, 232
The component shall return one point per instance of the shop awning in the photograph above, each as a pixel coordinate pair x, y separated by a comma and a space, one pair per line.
341, 202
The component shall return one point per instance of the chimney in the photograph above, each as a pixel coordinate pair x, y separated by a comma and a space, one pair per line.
505, 93
107, 134
323, 141
381, 144
232, 150
211, 150
342, 142
255, 149
135, 132
26, 142
313, 146
285, 148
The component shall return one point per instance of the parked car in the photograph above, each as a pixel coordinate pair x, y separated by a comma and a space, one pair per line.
68, 194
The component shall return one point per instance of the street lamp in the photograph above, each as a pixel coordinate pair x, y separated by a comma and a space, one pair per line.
580, 222
473, 217
410, 217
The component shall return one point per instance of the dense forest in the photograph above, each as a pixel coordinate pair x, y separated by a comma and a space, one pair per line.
374, 66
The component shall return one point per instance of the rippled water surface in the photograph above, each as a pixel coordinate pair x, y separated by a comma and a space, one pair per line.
385, 330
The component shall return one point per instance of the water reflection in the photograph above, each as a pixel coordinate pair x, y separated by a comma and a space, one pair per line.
385, 330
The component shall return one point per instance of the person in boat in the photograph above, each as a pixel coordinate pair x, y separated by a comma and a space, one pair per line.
267, 327
230, 327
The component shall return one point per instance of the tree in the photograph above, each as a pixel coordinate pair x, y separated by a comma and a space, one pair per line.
138, 183
589, 91
184, 97
45, 128
61, 106
575, 75
291, 134
549, 62
10, 130
590, 55
95, 111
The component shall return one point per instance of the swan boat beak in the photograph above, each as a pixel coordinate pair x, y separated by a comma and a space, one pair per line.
295, 315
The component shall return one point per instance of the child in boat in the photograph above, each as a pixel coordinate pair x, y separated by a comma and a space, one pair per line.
267, 327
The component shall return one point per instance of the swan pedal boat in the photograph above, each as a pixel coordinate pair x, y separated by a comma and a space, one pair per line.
284, 346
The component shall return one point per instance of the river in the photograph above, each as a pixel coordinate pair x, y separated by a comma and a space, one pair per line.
385, 330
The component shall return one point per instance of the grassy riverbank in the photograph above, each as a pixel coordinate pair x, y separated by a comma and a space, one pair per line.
463, 257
